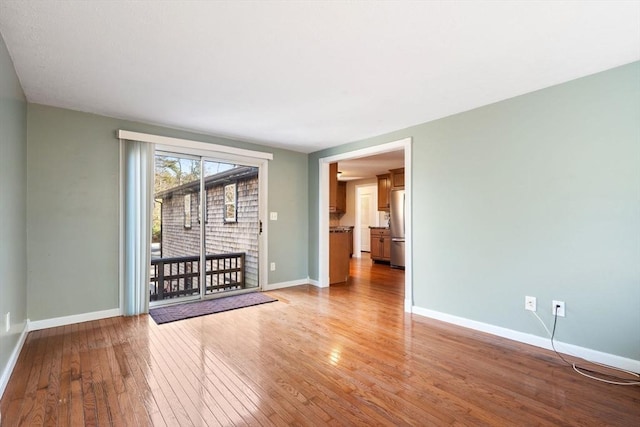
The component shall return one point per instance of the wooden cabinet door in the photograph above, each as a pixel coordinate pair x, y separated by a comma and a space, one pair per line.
384, 187
376, 248
341, 197
380, 245
397, 178
337, 191
333, 187
338, 257
386, 248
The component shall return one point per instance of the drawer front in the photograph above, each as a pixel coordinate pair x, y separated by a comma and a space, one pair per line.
380, 232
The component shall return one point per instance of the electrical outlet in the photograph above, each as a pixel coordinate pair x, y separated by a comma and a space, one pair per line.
530, 303
557, 307
273, 266
273, 216
7, 321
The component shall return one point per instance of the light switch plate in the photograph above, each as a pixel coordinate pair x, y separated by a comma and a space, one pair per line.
273, 216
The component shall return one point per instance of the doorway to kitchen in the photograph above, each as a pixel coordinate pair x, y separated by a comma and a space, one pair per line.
323, 212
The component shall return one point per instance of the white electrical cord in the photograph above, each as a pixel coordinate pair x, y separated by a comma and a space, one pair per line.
577, 368
542, 323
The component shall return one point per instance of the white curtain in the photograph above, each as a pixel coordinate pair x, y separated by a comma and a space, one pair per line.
137, 166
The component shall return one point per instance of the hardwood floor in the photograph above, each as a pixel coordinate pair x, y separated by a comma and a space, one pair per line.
346, 355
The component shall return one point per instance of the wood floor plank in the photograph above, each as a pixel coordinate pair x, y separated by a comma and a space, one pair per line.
255, 395
91, 361
223, 380
187, 403
106, 384
344, 355
127, 392
27, 409
37, 414
155, 373
224, 338
137, 381
76, 402
53, 386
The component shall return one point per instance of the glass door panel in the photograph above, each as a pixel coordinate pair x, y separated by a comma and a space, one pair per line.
232, 226
176, 229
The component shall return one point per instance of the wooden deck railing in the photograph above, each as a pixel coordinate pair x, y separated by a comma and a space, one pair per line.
180, 276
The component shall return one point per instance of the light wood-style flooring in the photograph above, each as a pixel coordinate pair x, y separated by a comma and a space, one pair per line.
346, 355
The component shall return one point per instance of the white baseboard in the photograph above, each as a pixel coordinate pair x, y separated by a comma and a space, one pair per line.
316, 283
408, 305
571, 349
274, 286
11, 363
75, 318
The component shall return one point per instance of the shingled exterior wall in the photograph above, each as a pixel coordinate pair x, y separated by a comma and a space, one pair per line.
220, 237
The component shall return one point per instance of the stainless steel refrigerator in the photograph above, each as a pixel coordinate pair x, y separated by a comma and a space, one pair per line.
396, 225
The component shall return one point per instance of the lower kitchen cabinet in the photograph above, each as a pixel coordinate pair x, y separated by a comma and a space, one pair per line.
380, 244
339, 256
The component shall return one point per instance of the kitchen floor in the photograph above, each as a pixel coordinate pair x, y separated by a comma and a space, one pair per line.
367, 276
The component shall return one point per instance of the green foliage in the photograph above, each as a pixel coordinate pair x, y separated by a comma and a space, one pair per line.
173, 171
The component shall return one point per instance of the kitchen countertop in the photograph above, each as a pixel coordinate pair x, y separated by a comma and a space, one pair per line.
341, 229
379, 228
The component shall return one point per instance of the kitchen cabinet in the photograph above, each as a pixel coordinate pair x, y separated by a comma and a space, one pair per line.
337, 191
384, 187
397, 178
380, 244
339, 255
341, 198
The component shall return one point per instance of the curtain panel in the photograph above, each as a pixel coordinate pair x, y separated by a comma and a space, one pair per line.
137, 179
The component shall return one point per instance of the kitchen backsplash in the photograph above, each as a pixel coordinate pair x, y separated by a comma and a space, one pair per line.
334, 219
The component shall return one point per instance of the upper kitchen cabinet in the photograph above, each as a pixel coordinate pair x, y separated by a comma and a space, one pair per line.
397, 178
384, 187
341, 199
337, 191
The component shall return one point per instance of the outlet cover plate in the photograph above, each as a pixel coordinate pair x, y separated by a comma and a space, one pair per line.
530, 303
561, 308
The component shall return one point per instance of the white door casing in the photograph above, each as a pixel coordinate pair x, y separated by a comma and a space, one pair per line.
323, 211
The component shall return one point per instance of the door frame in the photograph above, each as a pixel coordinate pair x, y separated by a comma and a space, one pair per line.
323, 212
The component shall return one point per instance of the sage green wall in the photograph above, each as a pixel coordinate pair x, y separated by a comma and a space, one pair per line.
13, 186
73, 199
536, 195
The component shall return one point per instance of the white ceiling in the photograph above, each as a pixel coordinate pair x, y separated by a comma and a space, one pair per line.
306, 75
370, 166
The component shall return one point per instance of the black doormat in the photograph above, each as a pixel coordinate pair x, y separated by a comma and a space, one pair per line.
202, 308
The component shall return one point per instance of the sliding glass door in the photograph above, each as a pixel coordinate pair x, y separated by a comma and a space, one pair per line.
205, 228
232, 226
